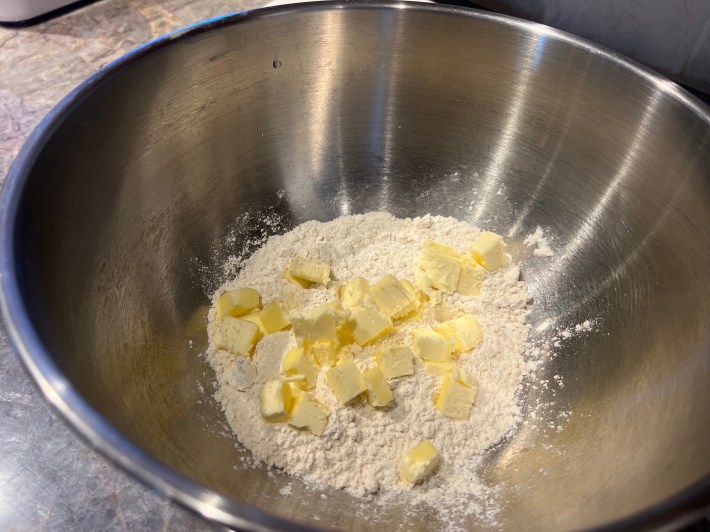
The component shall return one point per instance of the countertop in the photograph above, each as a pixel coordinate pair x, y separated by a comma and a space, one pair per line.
50, 478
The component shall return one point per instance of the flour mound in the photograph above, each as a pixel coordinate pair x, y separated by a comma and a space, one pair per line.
361, 446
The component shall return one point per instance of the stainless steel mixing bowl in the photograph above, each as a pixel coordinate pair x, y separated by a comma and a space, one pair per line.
117, 216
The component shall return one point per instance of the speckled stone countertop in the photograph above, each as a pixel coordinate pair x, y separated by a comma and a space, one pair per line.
50, 479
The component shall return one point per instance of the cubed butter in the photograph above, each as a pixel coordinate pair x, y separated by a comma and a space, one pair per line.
237, 336
368, 324
464, 377
454, 399
423, 285
274, 316
297, 362
378, 391
438, 368
346, 381
308, 414
238, 302
395, 361
442, 266
471, 279
301, 283
324, 352
463, 333
430, 345
345, 354
353, 294
393, 298
310, 270
343, 333
489, 250
318, 323
254, 318
275, 398
419, 463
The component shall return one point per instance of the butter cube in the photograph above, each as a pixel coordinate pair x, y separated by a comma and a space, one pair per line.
378, 391
353, 294
395, 361
419, 463
454, 399
423, 285
346, 381
274, 316
442, 266
393, 298
343, 333
471, 279
463, 333
368, 324
318, 323
254, 318
309, 414
430, 345
238, 302
311, 270
275, 398
297, 362
237, 336
489, 250
345, 355
301, 283
438, 368
464, 377
324, 352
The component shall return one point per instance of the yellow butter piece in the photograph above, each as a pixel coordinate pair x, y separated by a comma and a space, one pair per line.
430, 345
442, 265
295, 385
274, 316
368, 324
297, 362
311, 270
308, 414
346, 381
254, 318
275, 401
353, 294
301, 283
345, 354
423, 285
318, 323
343, 333
238, 302
395, 361
454, 399
237, 336
489, 250
463, 333
438, 368
324, 352
471, 279
378, 391
393, 298
419, 463
464, 377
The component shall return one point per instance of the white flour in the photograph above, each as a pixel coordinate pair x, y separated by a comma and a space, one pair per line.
361, 446
539, 242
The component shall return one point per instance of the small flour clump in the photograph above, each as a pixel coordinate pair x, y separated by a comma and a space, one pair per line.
361, 446
539, 242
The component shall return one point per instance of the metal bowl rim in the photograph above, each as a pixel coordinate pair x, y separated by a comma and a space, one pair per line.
88, 423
